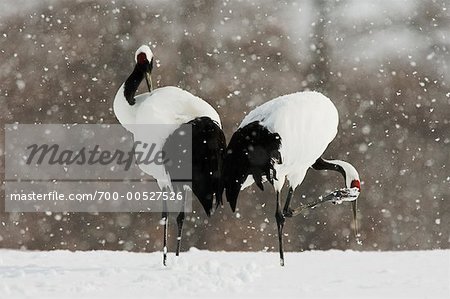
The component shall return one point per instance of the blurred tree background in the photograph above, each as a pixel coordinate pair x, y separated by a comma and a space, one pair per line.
385, 65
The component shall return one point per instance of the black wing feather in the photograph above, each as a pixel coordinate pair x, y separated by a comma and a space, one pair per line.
253, 150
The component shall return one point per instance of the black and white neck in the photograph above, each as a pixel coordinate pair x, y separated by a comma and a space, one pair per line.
143, 69
347, 170
125, 96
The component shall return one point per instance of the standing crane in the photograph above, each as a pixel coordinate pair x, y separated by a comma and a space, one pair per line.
277, 142
173, 106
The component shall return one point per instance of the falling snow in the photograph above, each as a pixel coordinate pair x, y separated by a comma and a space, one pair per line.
385, 65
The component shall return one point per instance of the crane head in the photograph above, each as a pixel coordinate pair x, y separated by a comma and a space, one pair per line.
144, 61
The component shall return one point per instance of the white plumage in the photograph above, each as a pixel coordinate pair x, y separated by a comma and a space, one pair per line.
306, 122
164, 105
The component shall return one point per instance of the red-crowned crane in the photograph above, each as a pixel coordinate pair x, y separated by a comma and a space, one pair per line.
173, 106
279, 141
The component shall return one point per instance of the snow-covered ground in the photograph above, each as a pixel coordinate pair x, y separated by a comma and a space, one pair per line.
204, 274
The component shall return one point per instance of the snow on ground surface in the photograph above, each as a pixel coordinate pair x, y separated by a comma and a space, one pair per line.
204, 274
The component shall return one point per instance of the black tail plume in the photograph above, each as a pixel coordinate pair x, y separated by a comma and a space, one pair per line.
207, 153
253, 150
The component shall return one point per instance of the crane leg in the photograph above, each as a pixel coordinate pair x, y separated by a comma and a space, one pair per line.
180, 220
165, 219
280, 224
287, 211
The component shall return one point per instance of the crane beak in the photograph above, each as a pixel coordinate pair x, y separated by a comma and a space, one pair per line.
148, 79
355, 220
